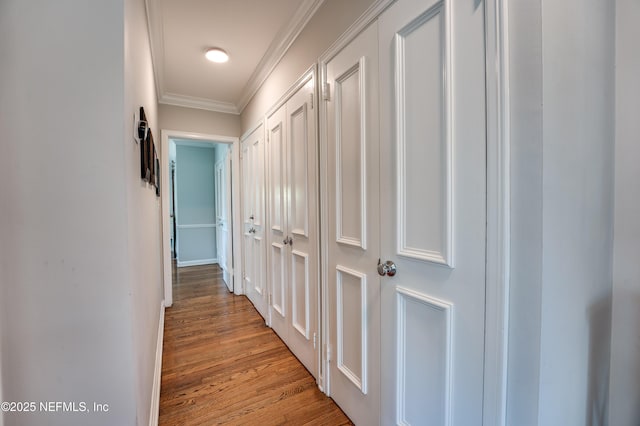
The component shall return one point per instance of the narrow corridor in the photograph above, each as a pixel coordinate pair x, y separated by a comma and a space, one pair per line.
222, 365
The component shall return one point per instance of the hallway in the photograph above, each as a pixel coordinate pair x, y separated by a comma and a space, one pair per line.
214, 372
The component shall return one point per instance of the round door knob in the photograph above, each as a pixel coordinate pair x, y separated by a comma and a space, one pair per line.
387, 268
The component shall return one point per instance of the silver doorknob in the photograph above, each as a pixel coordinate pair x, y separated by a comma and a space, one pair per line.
287, 240
387, 268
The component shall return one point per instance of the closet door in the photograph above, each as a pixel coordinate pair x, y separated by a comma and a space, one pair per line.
302, 212
353, 233
259, 284
433, 211
277, 230
293, 217
253, 218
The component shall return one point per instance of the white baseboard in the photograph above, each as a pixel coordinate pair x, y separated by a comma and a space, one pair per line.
157, 375
196, 262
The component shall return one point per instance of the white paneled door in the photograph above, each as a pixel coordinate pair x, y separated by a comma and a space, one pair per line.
433, 211
223, 216
406, 216
353, 243
293, 217
253, 220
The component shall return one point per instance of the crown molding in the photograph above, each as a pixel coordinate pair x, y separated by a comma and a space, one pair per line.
279, 46
198, 103
155, 31
281, 43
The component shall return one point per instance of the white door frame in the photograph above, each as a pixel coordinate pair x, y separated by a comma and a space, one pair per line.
498, 212
235, 205
498, 201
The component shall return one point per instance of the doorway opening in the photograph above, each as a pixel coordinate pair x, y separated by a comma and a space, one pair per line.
200, 205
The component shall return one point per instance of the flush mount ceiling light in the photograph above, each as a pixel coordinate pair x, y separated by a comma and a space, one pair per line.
217, 55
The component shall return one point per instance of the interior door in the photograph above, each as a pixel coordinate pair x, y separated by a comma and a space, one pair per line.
222, 233
253, 217
293, 232
433, 211
302, 213
277, 232
352, 158
228, 221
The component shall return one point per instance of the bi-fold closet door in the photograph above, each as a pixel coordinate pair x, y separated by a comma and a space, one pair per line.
292, 234
253, 220
405, 205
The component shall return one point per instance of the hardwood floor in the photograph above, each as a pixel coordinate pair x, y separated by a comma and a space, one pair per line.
222, 365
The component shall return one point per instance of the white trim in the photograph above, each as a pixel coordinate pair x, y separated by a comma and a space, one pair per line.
183, 263
498, 213
235, 207
198, 103
369, 15
278, 48
252, 129
276, 51
156, 43
198, 225
157, 372
309, 74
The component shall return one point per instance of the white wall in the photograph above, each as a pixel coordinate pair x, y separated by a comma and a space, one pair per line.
329, 22
525, 56
198, 120
81, 271
577, 215
67, 314
625, 345
144, 225
562, 170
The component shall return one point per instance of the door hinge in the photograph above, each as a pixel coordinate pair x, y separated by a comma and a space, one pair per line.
311, 99
269, 297
314, 340
244, 275
326, 92
327, 352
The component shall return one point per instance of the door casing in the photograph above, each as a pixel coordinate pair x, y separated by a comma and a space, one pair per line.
235, 205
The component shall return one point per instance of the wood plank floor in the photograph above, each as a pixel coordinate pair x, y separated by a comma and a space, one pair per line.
222, 365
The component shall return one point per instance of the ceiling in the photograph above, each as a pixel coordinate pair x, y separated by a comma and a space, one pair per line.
255, 33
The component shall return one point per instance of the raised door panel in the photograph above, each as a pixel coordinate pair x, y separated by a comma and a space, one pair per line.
423, 139
350, 154
424, 358
298, 173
